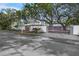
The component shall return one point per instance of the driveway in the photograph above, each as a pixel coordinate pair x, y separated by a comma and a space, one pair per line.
12, 44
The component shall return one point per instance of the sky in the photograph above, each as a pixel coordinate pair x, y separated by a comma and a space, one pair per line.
17, 6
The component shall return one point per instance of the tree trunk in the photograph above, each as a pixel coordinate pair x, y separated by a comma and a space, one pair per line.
64, 27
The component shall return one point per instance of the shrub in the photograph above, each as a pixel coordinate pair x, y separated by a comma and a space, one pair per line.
36, 30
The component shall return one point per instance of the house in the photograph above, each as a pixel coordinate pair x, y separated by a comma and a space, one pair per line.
40, 24
57, 28
36, 24
20, 25
74, 29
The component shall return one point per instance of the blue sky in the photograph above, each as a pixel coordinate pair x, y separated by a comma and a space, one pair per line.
17, 6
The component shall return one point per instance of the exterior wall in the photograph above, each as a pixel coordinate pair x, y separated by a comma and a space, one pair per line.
27, 28
22, 28
43, 28
55, 28
74, 30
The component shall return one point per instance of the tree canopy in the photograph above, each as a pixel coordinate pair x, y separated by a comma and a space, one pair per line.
61, 13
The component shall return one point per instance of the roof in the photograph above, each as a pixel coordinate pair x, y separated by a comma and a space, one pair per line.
56, 25
34, 24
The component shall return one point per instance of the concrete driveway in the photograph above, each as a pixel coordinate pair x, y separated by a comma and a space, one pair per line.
12, 44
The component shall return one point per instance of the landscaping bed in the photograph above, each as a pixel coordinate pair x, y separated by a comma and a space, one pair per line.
30, 33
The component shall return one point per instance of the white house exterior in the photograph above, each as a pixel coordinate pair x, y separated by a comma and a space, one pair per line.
37, 24
74, 29
32, 24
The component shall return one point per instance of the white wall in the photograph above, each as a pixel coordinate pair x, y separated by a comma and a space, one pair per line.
75, 30
43, 28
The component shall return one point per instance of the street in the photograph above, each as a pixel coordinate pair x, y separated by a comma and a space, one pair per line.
12, 44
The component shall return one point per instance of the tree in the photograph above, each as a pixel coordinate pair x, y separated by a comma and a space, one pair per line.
39, 10
46, 12
76, 18
64, 13
30, 10
7, 17
61, 13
